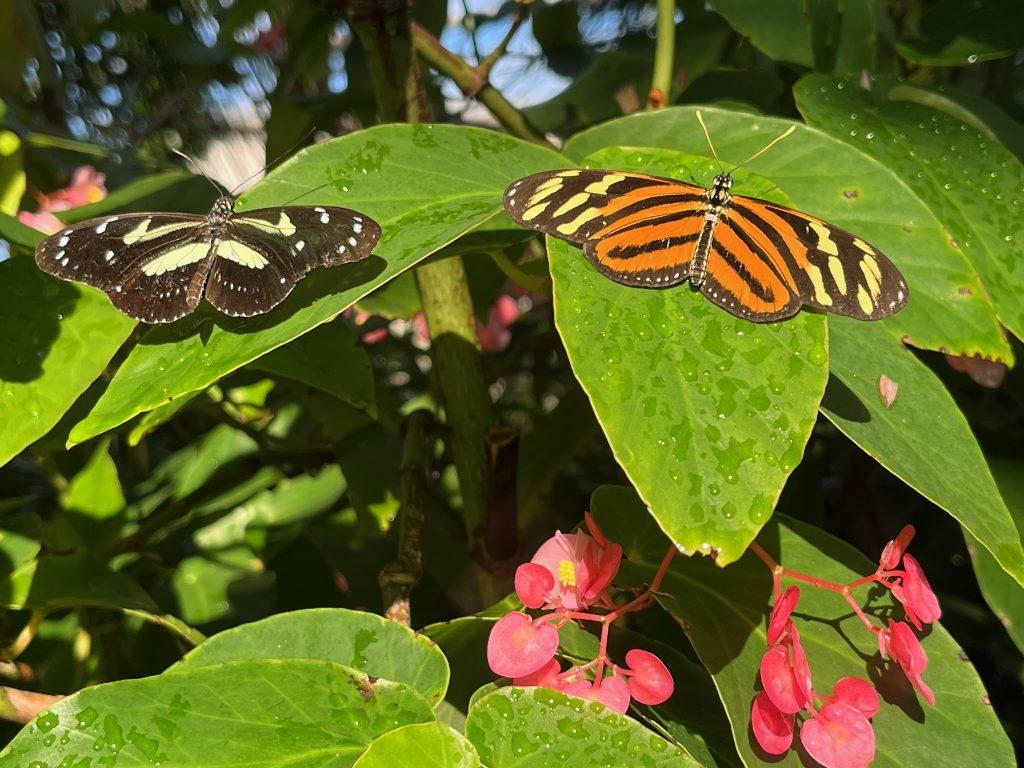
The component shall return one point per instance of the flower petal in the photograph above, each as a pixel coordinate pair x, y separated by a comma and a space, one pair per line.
651, 682
517, 647
839, 736
772, 729
533, 584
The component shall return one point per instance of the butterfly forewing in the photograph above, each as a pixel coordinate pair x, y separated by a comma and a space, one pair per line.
636, 229
156, 267
756, 259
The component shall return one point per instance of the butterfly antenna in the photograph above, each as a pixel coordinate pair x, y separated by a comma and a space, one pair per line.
700, 119
276, 160
220, 190
765, 148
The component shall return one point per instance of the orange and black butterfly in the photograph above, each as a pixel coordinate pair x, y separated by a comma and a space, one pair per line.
757, 259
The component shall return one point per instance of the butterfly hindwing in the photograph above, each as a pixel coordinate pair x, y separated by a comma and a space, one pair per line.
834, 269
636, 229
156, 267
264, 253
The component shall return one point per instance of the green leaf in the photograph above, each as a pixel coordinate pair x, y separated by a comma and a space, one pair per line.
95, 491
973, 184
264, 713
159, 416
62, 337
291, 501
425, 186
782, 31
363, 641
12, 174
231, 583
219, 447
420, 746
707, 413
842, 185
80, 578
329, 358
711, 458
21, 235
540, 728
923, 438
1004, 595
725, 612
951, 32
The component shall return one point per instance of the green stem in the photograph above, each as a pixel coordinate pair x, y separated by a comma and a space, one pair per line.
398, 579
664, 52
387, 34
456, 356
470, 82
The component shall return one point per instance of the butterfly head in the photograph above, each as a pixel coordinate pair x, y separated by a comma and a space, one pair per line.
222, 211
723, 181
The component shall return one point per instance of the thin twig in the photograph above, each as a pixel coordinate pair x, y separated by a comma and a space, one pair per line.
483, 69
465, 77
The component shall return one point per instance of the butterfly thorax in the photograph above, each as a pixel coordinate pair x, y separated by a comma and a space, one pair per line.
716, 203
222, 210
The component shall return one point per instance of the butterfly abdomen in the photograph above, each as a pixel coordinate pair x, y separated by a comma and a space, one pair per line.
716, 205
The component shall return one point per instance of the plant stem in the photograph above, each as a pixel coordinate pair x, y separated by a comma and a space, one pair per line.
470, 82
386, 32
664, 52
398, 579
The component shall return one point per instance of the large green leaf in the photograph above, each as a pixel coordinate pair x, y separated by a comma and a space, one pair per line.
254, 713
539, 728
840, 184
422, 745
425, 186
725, 610
707, 413
923, 438
973, 184
360, 640
328, 358
60, 338
952, 32
781, 30
1004, 595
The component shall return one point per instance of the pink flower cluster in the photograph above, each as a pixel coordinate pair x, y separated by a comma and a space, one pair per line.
569, 574
838, 733
86, 187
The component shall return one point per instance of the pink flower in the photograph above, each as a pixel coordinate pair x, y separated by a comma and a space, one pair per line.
779, 624
900, 642
578, 567
839, 736
44, 221
518, 647
772, 728
613, 692
857, 693
651, 682
546, 677
86, 187
916, 594
894, 549
495, 336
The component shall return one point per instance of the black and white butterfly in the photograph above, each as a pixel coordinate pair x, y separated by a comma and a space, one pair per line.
156, 267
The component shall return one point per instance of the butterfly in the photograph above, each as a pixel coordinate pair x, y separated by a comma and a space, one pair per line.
756, 259
156, 267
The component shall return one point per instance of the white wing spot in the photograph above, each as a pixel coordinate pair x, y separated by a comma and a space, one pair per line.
283, 281
59, 254
300, 245
66, 232
352, 241
357, 228
63, 262
117, 288
108, 256
324, 217
63, 241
